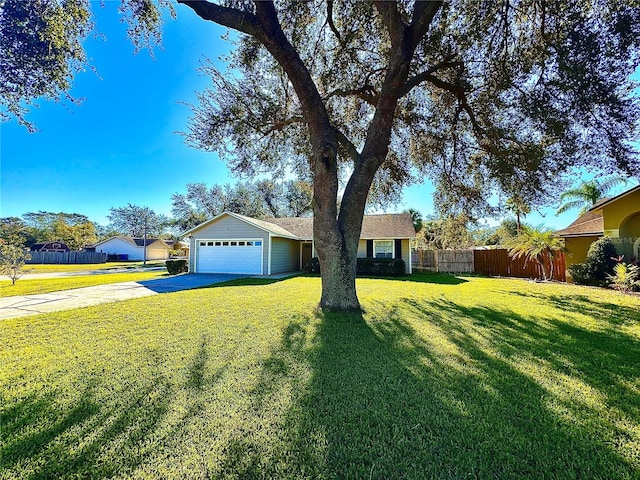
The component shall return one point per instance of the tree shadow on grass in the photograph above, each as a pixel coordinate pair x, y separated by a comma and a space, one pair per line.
385, 401
47, 436
424, 277
249, 282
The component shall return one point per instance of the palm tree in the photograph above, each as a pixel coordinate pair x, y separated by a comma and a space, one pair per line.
588, 193
416, 218
519, 208
536, 244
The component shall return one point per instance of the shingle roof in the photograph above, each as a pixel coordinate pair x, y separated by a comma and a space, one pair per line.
301, 227
136, 242
587, 224
388, 225
591, 223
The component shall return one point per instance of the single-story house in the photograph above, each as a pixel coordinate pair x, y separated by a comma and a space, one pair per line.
233, 243
50, 247
617, 217
133, 248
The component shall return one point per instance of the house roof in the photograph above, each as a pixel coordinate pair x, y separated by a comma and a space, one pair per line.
606, 201
135, 241
390, 225
591, 223
588, 224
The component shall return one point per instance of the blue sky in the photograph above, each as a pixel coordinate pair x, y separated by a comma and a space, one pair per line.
120, 145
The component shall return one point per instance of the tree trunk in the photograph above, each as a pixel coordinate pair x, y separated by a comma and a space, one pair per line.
335, 247
338, 269
544, 268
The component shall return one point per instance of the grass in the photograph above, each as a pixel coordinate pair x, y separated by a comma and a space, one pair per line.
474, 378
48, 285
47, 268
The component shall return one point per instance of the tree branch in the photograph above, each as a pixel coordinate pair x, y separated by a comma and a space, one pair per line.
425, 76
367, 93
332, 25
423, 14
348, 145
461, 95
229, 17
392, 20
282, 124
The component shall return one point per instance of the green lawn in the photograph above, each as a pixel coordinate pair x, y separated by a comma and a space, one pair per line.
50, 268
47, 285
440, 378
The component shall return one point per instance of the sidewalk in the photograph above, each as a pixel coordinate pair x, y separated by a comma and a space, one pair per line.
21, 306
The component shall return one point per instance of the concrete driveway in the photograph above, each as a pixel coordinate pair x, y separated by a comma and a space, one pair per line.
20, 306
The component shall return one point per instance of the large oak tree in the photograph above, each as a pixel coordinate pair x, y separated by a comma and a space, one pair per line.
364, 97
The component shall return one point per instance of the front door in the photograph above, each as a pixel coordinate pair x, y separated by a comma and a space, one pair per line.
307, 252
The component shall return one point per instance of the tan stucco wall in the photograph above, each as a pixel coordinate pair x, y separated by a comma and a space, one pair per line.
622, 223
615, 213
577, 249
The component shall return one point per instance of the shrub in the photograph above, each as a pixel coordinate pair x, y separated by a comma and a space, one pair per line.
314, 265
601, 258
391, 267
578, 272
380, 266
175, 266
626, 277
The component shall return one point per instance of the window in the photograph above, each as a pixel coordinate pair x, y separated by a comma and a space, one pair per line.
257, 244
249, 244
383, 248
241, 244
233, 244
209, 244
203, 244
225, 244
218, 244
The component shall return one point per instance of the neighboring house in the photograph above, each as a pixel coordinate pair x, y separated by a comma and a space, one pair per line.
50, 247
617, 217
232, 243
178, 246
133, 248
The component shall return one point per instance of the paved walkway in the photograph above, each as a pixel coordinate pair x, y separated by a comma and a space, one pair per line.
20, 306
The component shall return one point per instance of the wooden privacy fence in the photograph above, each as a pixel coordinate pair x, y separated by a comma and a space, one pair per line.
67, 257
498, 263
493, 262
450, 261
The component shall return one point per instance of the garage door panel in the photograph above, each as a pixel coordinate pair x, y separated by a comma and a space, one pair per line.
230, 256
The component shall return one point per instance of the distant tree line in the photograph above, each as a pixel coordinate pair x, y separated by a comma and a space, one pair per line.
261, 199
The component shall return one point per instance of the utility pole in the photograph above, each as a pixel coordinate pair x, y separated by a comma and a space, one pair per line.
144, 239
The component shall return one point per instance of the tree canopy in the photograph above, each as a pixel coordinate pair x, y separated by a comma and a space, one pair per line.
264, 198
136, 221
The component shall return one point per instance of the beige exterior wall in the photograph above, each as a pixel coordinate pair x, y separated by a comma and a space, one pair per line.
406, 251
285, 255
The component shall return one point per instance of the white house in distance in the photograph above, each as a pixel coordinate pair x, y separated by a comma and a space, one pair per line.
133, 248
233, 243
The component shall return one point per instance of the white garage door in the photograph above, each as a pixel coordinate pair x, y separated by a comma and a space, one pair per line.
229, 256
